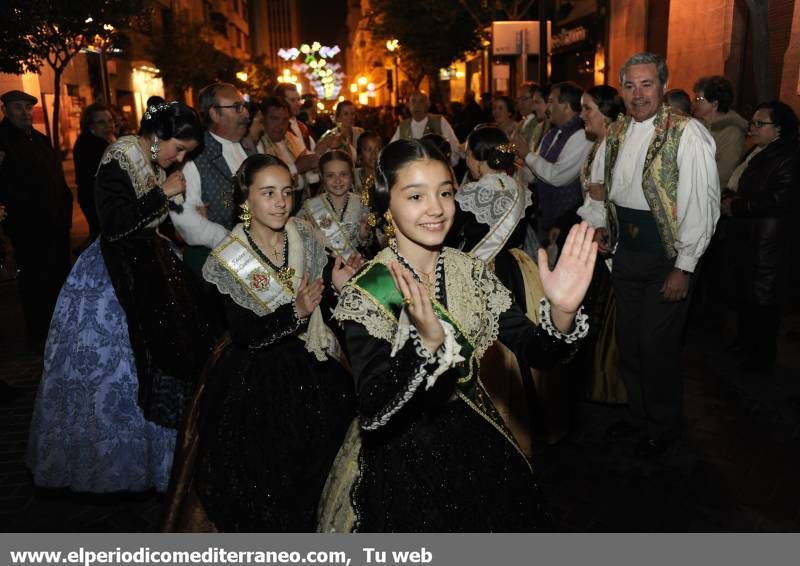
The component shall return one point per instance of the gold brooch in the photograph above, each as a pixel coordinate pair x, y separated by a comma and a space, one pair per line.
325, 222
285, 275
259, 280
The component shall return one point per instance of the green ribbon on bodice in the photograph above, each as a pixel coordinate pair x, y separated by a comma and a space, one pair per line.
376, 282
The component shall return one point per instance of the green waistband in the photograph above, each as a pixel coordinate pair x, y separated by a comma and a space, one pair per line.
638, 230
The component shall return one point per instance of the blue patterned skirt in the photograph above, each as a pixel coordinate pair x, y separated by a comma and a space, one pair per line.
87, 431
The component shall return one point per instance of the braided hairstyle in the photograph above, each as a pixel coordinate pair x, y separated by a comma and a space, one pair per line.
173, 120
490, 144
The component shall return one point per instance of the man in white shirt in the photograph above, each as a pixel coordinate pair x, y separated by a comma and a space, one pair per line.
278, 140
663, 190
557, 164
208, 175
532, 106
421, 123
288, 92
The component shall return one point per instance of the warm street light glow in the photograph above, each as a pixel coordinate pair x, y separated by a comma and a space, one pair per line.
371, 87
353, 87
362, 80
392, 44
242, 76
321, 106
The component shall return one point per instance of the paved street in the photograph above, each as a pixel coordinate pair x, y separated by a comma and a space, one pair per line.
735, 469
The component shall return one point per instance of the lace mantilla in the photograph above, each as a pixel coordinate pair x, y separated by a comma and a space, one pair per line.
491, 197
580, 326
475, 298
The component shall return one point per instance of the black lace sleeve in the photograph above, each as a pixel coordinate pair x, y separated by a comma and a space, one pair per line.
252, 331
540, 346
120, 212
385, 384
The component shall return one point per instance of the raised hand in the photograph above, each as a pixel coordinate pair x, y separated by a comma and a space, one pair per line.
308, 296
343, 271
419, 307
566, 285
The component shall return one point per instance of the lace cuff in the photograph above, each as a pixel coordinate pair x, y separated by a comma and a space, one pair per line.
580, 326
430, 365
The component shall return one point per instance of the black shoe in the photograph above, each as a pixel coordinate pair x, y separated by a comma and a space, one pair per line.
651, 448
622, 429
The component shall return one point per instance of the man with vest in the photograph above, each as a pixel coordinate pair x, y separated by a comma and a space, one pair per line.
208, 175
557, 163
663, 204
422, 122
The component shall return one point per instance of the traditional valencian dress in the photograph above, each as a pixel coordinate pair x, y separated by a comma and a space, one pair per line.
337, 230
432, 454
275, 402
126, 344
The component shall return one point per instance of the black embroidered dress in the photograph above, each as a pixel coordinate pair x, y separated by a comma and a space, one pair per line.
276, 403
432, 454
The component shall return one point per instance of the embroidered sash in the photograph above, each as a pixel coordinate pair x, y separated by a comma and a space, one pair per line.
256, 276
324, 217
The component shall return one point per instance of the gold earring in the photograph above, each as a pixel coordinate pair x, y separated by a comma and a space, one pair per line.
245, 215
390, 231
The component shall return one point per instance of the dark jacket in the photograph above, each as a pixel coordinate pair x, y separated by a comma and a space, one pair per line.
32, 184
763, 210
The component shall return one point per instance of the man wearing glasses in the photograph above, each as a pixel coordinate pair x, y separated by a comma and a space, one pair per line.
207, 214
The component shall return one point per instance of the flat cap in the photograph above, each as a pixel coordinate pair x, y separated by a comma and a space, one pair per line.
18, 96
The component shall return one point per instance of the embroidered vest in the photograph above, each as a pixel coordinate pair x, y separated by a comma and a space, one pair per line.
215, 179
556, 200
434, 126
660, 173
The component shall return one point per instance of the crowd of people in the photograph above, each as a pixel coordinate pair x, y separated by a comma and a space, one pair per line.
286, 321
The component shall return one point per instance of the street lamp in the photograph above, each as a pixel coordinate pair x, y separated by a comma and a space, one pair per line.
394, 48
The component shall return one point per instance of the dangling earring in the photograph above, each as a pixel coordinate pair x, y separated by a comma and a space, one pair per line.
245, 216
154, 148
391, 232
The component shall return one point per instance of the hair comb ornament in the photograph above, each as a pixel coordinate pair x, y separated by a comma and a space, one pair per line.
507, 148
152, 110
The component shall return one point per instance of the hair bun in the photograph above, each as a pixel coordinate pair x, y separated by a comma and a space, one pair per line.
502, 157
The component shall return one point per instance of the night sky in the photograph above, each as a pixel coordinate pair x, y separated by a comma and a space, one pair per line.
322, 21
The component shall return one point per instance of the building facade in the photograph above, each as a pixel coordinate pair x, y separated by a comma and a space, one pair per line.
129, 77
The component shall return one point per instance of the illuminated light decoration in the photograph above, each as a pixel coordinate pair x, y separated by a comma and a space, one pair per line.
341, 99
354, 87
242, 76
321, 106
325, 76
371, 87
363, 80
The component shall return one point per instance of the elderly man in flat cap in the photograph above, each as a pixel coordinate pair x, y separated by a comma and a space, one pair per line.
38, 208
